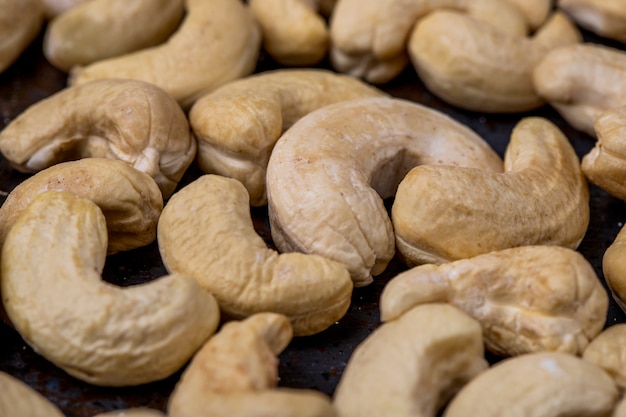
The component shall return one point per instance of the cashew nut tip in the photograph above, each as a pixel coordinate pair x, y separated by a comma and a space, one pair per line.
606, 18
19, 399
606, 351
614, 268
130, 120
107, 335
20, 22
238, 144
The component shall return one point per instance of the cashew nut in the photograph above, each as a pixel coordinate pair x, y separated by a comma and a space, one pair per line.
235, 374
614, 268
53, 8
607, 351
606, 18
620, 408
445, 213
325, 196
132, 412
413, 365
217, 42
582, 81
535, 11
527, 299
206, 231
96, 332
19, 399
101, 29
238, 144
133, 121
20, 22
546, 384
474, 66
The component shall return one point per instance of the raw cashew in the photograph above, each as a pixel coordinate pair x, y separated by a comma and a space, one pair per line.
96, 332
19, 399
132, 412
413, 365
329, 173
547, 384
206, 231
620, 408
607, 351
527, 299
235, 374
476, 67
535, 11
238, 143
614, 268
133, 121
368, 38
217, 42
20, 22
606, 18
101, 29
444, 213
53, 8
130, 200
582, 81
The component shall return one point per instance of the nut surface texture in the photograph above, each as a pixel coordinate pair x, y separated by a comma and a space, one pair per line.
607, 351
19, 399
614, 268
606, 18
20, 22
95, 331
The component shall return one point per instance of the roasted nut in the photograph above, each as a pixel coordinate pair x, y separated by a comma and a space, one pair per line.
413, 365
607, 351
20, 22
101, 29
217, 42
53, 8
132, 412
535, 11
235, 374
238, 143
553, 384
205, 230
614, 268
604, 17
129, 120
527, 299
474, 66
106, 335
445, 213
19, 399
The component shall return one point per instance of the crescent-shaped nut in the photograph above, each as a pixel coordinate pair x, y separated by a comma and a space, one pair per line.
582, 81
20, 22
553, 385
535, 11
101, 29
527, 299
607, 351
129, 120
473, 66
217, 42
614, 268
53, 8
205, 230
445, 213
329, 173
606, 18
129, 199
413, 365
235, 374
132, 412
105, 335
19, 399
238, 144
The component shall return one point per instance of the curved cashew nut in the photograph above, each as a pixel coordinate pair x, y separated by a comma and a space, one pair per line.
553, 384
606, 18
19, 399
413, 365
235, 374
217, 42
535, 11
527, 299
444, 213
205, 230
53, 8
267, 104
20, 22
614, 268
106, 335
606, 351
582, 81
129, 120
476, 67
368, 39
132, 412
326, 195
101, 29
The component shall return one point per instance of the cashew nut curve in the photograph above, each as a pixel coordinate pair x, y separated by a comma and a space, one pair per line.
105, 335
130, 120
527, 299
606, 18
445, 213
19, 399
205, 230
217, 42
329, 173
607, 351
474, 66
20, 22
238, 143
614, 268
53, 8
235, 374
411, 366
535, 11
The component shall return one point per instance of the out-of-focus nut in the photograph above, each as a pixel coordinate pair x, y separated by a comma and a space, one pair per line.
614, 268
19, 399
411, 366
132, 412
206, 231
607, 351
445, 213
53, 8
20, 22
620, 408
130, 120
527, 299
535, 11
106, 335
329, 173
238, 124
606, 18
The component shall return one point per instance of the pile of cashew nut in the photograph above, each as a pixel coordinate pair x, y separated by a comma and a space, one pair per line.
351, 178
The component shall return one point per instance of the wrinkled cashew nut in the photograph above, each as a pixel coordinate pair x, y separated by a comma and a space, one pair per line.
107, 335
614, 268
606, 351
19, 399
238, 144
20, 22
606, 18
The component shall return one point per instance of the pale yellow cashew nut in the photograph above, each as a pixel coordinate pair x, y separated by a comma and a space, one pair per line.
20, 22
19, 399
606, 18
607, 352
105, 335
614, 268
535, 11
